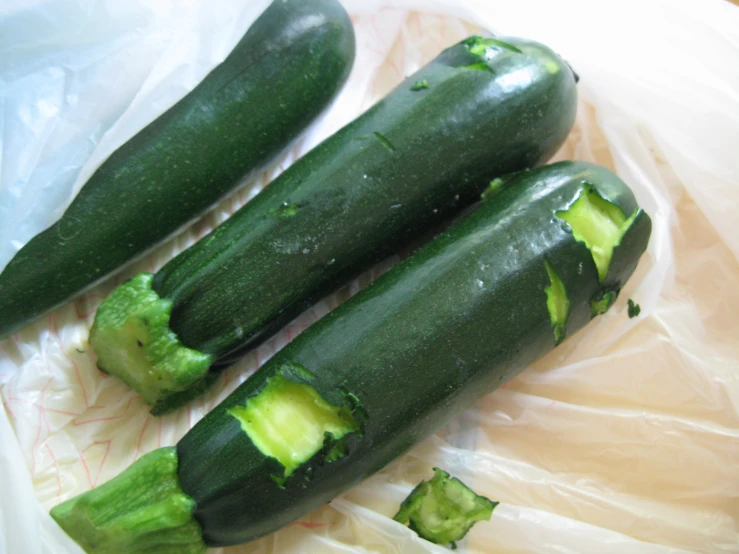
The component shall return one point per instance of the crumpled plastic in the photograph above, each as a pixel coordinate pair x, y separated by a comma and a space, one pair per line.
625, 439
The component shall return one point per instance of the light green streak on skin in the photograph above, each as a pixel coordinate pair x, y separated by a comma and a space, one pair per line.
557, 304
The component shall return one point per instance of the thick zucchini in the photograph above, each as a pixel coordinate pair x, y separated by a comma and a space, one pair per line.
420, 155
444, 509
457, 319
279, 77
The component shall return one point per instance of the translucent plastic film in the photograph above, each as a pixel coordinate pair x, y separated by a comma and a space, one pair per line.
624, 440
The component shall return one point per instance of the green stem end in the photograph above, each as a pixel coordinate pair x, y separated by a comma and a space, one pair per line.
133, 341
142, 510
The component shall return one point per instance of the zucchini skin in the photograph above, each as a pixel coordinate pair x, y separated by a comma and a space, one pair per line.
455, 320
410, 162
279, 77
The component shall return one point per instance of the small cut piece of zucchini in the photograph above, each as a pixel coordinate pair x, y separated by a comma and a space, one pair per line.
443, 509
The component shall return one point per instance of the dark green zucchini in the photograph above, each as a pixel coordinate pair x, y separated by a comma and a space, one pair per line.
279, 77
455, 320
417, 157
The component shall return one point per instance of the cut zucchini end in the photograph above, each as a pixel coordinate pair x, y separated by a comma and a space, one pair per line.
291, 422
443, 509
142, 510
598, 224
132, 340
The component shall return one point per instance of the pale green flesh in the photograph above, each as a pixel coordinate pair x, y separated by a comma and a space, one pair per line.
597, 223
290, 422
443, 509
494, 186
142, 510
132, 340
557, 303
482, 46
601, 304
479, 66
486, 49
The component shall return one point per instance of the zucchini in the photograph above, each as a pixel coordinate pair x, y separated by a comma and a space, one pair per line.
417, 157
279, 77
452, 322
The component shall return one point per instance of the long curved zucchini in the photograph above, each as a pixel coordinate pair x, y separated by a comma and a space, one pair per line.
455, 320
278, 78
420, 155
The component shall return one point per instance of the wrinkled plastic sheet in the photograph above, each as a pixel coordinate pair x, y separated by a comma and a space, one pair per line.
624, 440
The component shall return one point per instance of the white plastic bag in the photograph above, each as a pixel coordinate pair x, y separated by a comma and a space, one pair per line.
625, 439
